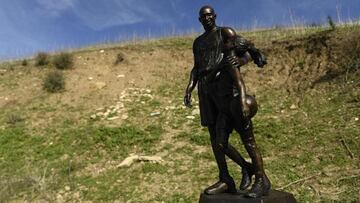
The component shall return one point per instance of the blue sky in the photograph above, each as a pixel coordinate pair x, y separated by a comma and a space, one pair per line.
30, 26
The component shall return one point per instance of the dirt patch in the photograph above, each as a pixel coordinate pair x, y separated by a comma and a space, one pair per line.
296, 65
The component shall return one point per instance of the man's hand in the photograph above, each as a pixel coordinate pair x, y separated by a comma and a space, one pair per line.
187, 100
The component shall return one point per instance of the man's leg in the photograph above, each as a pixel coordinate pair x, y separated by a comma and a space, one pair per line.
226, 182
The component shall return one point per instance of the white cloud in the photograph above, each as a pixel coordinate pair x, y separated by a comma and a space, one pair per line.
99, 15
55, 7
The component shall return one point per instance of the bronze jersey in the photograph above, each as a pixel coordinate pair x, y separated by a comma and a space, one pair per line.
207, 50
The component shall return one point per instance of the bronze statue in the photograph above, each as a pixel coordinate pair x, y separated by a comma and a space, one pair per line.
224, 105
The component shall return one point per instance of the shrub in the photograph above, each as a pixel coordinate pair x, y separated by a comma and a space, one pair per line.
41, 59
24, 62
63, 61
119, 58
54, 82
331, 23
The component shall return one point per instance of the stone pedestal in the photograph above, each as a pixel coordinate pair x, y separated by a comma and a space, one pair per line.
273, 197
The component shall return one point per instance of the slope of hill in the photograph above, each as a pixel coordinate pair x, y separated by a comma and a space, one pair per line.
68, 146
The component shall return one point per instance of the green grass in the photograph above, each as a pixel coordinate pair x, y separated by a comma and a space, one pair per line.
21, 151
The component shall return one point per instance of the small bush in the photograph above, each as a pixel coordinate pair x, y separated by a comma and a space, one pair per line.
119, 58
24, 62
54, 82
331, 23
41, 59
63, 61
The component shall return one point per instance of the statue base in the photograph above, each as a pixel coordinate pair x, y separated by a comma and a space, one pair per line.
273, 197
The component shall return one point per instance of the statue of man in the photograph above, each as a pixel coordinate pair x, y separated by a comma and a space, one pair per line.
208, 59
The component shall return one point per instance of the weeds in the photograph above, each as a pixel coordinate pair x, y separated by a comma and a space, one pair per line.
354, 63
41, 59
331, 23
54, 82
24, 62
63, 61
119, 58
351, 55
13, 119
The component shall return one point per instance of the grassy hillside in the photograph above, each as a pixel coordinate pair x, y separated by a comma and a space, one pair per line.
124, 100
